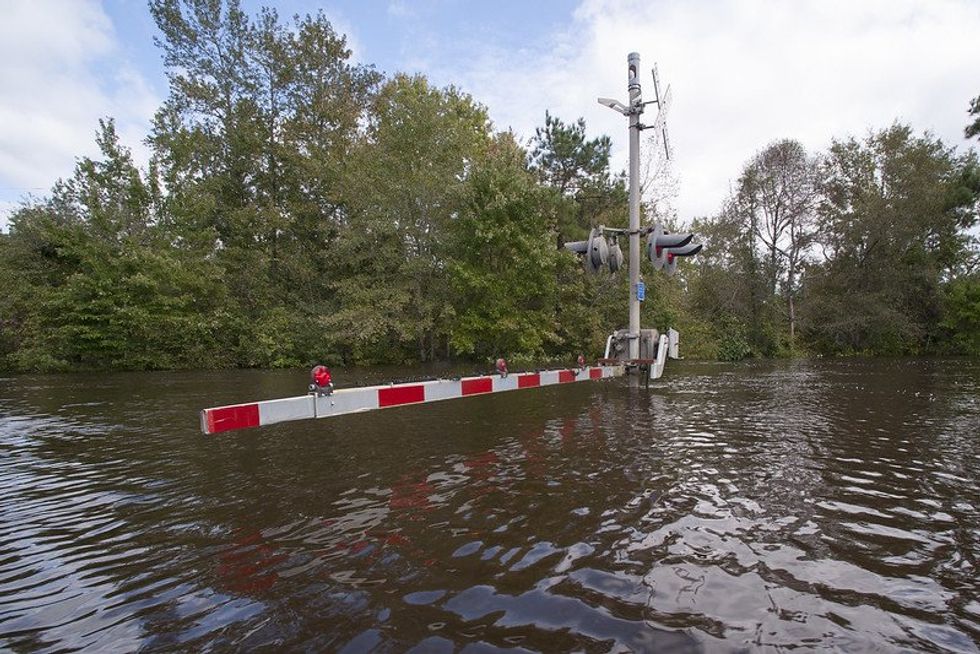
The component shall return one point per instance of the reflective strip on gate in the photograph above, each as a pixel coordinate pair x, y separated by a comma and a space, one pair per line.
356, 400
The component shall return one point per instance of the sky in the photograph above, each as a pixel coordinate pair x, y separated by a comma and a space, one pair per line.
743, 73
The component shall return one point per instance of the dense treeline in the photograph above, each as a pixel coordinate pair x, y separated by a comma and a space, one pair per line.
865, 249
299, 207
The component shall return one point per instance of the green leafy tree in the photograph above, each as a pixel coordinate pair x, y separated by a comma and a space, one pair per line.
961, 315
252, 145
406, 180
893, 228
727, 289
583, 194
502, 266
105, 289
577, 169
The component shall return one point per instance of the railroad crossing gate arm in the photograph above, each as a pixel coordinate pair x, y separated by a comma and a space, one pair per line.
370, 398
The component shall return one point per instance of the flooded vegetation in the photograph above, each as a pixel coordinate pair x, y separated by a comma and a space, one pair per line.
831, 504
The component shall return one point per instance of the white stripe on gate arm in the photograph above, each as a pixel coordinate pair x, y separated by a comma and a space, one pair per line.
286, 409
368, 398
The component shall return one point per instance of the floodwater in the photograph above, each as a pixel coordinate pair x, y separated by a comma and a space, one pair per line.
758, 506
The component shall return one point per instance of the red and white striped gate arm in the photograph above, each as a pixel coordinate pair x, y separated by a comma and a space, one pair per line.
369, 398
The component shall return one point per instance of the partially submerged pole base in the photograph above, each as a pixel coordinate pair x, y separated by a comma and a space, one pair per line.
655, 348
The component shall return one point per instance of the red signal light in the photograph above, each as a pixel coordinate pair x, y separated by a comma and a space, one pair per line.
501, 367
320, 375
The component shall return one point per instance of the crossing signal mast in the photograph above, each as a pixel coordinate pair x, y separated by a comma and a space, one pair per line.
639, 350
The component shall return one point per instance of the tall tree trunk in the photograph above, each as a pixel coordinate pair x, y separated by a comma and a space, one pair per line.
773, 275
792, 323
790, 287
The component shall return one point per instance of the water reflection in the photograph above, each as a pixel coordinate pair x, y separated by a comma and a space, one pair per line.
830, 504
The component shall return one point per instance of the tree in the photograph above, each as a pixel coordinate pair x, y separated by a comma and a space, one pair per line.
406, 180
502, 250
253, 145
565, 159
577, 169
726, 290
98, 284
776, 201
893, 228
583, 194
973, 129
961, 315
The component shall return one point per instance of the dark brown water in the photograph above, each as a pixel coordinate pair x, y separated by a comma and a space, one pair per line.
759, 506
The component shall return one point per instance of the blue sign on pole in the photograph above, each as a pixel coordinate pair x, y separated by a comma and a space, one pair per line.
641, 292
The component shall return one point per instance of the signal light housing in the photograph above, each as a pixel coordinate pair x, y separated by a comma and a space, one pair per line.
598, 254
663, 248
615, 255
596, 251
321, 382
688, 250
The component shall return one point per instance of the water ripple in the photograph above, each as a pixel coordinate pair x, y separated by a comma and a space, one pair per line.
828, 505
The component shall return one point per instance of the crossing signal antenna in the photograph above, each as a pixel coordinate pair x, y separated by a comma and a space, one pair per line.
659, 125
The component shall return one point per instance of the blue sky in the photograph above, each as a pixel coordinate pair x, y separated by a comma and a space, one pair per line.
394, 36
743, 72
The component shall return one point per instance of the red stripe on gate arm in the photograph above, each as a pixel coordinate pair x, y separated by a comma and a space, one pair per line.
565, 376
529, 381
232, 417
595, 373
476, 386
400, 395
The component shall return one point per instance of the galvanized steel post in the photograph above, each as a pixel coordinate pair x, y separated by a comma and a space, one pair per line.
635, 109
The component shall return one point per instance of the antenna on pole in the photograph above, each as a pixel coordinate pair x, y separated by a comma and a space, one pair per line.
659, 125
656, 83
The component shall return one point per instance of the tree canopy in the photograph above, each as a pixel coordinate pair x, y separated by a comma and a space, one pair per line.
300, 207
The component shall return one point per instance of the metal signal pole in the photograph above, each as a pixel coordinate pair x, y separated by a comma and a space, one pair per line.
664, 248
635, 109
633, 112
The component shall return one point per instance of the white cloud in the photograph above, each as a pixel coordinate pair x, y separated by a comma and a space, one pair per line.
743, 74
63, 70
6, 209
399, 9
